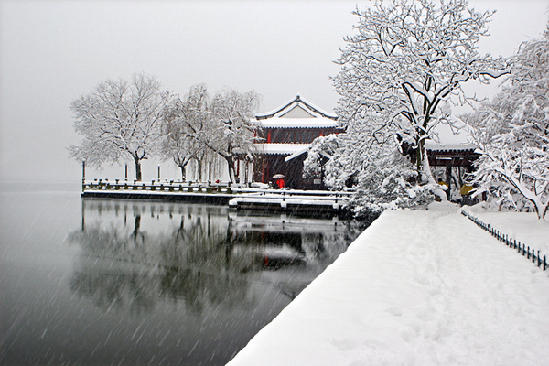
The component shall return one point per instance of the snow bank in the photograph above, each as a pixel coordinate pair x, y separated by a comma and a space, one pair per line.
416, 288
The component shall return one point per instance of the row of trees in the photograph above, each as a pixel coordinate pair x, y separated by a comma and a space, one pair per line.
400, 75
137, 119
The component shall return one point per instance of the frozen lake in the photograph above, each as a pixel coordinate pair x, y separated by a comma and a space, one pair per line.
138, 282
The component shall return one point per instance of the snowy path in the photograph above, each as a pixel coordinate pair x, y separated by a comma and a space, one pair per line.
416, 288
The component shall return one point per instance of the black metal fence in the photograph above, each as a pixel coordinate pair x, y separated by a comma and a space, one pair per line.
521, 248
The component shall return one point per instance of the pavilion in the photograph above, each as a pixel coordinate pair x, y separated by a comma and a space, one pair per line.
288, 132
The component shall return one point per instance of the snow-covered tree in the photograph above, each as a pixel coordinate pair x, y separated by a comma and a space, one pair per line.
513, 131
183, 126
233, 133
119, 120
408, 58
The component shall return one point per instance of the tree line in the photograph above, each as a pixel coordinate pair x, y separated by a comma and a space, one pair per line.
137, 119
400, 75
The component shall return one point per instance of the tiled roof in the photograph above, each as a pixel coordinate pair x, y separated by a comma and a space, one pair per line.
313, 110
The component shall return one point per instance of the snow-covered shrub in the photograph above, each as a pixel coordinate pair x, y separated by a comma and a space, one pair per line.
322, 148
390, 183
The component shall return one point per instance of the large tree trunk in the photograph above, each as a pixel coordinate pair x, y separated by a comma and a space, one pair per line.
138, 176
421, 156
182, 167
425, 175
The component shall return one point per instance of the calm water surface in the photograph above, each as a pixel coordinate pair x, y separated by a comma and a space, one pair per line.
128, 282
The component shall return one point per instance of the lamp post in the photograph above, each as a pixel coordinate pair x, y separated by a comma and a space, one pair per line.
83, 174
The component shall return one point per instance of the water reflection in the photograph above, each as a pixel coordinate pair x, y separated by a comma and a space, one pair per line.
215, 267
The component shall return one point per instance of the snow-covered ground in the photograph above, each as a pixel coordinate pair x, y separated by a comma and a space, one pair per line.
416, 288
520, 226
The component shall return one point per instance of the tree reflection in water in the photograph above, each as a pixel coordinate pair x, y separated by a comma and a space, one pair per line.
218, 269
192, 262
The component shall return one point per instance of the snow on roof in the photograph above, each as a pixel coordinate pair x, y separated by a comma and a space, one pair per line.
451, 136
281, 149
282, 122
297, 113
297, 153
310, 108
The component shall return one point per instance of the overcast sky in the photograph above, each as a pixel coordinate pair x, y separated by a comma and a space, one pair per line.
51, 52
